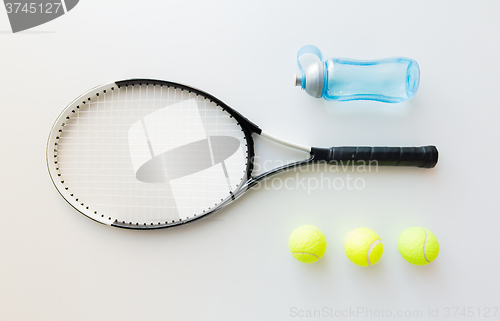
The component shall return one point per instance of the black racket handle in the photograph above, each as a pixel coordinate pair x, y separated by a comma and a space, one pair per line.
425, 156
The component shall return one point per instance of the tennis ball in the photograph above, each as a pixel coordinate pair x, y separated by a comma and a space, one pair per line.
363, 246
418, 245
307, 244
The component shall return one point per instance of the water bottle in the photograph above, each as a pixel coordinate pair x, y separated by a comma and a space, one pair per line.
392, 80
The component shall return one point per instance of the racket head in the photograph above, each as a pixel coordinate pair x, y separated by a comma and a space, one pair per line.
149, 154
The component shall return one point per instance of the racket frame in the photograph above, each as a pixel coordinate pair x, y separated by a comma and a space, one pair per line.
246, 125
248, 128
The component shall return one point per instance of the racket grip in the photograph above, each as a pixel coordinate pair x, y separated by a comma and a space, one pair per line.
424, 157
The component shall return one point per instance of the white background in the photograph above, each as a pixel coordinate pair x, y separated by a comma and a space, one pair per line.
56, 264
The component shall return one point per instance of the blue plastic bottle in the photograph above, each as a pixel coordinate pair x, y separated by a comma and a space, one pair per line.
391, 80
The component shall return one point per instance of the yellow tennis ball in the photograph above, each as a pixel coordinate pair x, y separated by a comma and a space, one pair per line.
363, 246
307, 244
418, 245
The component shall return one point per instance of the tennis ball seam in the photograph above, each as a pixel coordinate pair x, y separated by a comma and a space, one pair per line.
425, 244
293, 253
370, 249
349, 235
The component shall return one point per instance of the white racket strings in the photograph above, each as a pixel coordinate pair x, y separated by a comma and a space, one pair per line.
149, 154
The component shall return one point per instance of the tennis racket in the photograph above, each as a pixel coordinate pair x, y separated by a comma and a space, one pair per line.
148, 154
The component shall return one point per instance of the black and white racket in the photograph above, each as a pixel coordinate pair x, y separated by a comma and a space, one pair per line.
149, 154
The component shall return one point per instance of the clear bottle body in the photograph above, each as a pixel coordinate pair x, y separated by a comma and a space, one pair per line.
388, 80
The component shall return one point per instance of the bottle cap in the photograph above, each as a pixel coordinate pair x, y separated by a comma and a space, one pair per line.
310, 61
